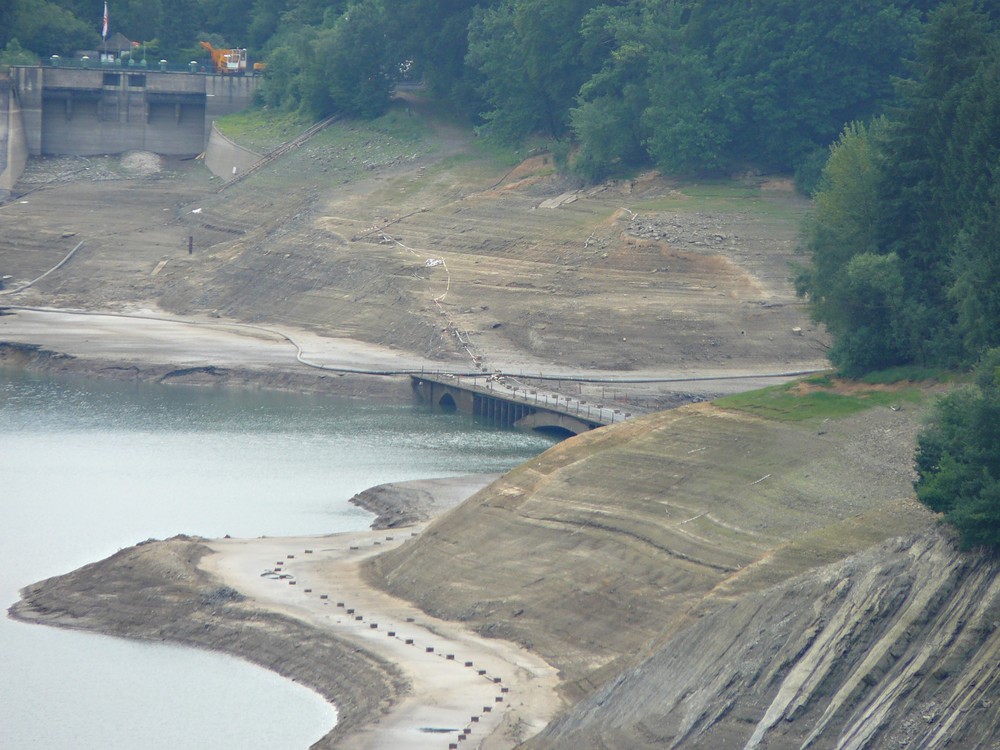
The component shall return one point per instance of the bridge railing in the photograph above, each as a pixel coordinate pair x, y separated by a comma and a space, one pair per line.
597, 413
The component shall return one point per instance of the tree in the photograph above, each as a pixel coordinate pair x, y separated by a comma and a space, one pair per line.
529, 56
922, 187
958, 458
607, 121
972, 171
46, 28
853, 287
690, 118
920, 212
433, 35
767, 82
505, 87
179, 27
358, 69
15, 54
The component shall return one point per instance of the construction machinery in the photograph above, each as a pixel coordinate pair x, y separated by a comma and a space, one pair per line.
228, 61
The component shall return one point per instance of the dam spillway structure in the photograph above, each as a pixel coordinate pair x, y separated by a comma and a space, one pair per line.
92, 111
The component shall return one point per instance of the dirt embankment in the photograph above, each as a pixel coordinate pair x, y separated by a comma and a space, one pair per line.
602, 546
708, 580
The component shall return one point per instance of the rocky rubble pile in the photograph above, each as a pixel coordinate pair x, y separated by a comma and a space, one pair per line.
47, 170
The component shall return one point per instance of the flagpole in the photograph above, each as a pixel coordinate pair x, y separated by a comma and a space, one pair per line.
104, 30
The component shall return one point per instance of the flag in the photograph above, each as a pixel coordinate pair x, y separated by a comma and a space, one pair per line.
104, 31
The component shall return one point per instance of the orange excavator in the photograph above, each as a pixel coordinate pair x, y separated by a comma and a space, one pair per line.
232, 62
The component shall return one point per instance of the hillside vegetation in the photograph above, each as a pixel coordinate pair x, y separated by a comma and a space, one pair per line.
684, 86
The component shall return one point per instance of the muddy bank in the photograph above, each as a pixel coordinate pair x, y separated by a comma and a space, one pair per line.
37, 359
155, 591
406, 503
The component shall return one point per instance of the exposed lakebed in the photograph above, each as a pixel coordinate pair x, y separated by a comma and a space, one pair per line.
89, 467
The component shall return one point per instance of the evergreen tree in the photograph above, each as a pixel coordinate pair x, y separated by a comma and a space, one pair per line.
958, 458
922, 188
853, 287
919, 215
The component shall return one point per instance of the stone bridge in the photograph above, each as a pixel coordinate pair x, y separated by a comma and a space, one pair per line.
503, 403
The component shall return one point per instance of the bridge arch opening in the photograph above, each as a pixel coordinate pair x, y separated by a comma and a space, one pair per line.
447, 404
553, 431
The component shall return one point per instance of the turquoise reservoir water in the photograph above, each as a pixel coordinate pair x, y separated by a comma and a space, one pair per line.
88, 467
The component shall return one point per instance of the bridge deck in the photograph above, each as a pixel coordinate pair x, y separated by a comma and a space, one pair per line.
492, 395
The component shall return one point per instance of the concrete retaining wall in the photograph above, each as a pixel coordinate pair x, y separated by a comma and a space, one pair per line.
13, 147
226, 159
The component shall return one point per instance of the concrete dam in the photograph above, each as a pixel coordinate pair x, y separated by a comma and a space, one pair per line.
49, 111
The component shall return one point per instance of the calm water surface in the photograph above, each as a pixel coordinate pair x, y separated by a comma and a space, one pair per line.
87, 468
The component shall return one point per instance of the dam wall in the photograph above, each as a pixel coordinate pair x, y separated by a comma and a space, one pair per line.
13, 147
103, 110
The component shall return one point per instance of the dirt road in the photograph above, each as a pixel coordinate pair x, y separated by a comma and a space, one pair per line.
461, 684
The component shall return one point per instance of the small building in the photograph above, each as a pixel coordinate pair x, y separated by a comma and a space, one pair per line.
117, 47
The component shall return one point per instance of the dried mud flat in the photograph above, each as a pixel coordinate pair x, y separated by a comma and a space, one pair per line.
431, 250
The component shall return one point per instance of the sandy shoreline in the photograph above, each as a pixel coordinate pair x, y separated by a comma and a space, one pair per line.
398, 677
462, 686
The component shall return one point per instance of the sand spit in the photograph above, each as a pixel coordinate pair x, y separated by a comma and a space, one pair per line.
298, 606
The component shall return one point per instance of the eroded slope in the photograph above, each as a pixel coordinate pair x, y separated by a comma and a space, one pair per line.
895, 647
606, 544
526, 267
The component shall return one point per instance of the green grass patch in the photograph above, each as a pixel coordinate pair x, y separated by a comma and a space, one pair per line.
501, 153
823, 379
346, 150
789, 403
262, 130
727, 196
399, 123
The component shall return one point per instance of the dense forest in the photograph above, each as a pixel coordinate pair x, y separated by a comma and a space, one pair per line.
688, 86
904, 241
904, 245
904, 250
